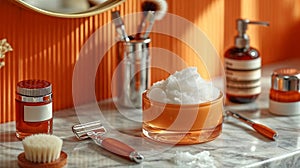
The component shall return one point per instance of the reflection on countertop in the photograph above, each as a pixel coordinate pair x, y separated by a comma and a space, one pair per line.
237, 146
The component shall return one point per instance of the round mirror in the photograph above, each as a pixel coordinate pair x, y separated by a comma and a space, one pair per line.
69, 8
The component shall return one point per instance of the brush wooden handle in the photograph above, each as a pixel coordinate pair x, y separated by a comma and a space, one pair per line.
264, 130
121, 149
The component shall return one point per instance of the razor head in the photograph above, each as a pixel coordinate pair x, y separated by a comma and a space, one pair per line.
81, 130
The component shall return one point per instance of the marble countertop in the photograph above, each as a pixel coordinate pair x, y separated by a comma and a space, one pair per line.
238, 145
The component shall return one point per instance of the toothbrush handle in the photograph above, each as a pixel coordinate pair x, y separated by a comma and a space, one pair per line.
264, 130
121, 149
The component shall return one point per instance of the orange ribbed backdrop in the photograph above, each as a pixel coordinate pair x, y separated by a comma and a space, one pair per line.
277, 42
47, 47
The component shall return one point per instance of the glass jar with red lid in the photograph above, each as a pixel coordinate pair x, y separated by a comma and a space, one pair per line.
34, 112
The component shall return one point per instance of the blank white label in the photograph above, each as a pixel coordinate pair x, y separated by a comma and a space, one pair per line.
38, 113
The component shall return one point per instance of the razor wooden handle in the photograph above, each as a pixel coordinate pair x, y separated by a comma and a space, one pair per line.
117, 147
121, 149
264, 130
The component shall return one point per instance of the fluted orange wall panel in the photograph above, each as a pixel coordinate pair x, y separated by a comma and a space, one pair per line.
44, 48
277, 42
47, 47
208, 16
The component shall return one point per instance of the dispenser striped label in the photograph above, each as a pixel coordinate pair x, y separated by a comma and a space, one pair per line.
243, 76
243, 91
243, 64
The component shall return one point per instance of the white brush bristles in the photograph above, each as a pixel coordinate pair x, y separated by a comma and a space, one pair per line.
42, 148
162, 8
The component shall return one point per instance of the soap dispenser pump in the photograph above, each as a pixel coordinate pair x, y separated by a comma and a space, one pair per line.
243, 66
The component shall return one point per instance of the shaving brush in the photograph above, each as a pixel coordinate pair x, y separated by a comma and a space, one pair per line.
42, 150
152, 10
159, 7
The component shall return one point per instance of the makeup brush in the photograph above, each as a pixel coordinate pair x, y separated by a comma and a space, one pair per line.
158, 8
119, 24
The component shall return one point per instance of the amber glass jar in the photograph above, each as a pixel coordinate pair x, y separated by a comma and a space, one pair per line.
285, 92
182, 123
33, 108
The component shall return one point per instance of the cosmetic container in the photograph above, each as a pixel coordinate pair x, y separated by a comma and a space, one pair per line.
34, 113
285, 92
243, 67
134, 71
182, 123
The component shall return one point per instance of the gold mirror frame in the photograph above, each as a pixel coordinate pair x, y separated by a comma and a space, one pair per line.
90, 12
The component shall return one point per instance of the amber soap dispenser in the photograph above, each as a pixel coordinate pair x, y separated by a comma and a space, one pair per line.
243, 66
